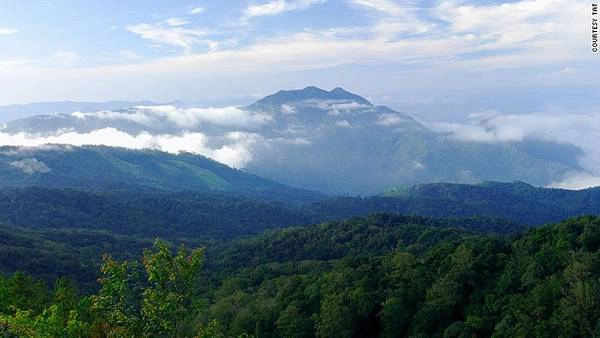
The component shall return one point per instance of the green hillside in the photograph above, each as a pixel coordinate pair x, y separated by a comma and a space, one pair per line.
118, 169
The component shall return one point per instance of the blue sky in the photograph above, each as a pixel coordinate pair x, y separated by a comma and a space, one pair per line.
438, 58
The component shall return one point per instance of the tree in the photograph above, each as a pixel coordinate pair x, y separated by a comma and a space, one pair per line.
168, 298
161, 305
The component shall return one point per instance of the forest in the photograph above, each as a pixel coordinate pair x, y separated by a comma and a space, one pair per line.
385, 275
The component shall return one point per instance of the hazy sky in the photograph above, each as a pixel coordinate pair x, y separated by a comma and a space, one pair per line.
436, 58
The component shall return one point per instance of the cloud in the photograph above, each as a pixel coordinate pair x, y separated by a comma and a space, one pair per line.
417, 165
581, 130
31, 150
458, 45
196, 10
8, 31
129, 55
397, 18
287, 109
391, 119
171, 32
234, 148
577, 181
334, 107
526, 25
176, 22
66, 58
184, 117
190, 129
385, 6
30, 166
275, 7
343, 124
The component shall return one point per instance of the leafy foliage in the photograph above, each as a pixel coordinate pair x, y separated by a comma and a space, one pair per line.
380, 276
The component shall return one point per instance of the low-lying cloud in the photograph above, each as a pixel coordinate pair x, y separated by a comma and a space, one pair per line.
331, 107
581, 129
30, 166
184, 117
233, 148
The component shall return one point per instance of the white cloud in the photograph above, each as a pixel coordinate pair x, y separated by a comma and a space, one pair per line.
417, 165
391, 119
170, 32
184, 117
577, 181
435, 51
334, 107
533, 25
30, 166
385, 6
581, 130
27, 150
129, 55
8, 31
343, 124
7, 64
235, 151
287, 109
176, 22
275, 7
398, 18
66, 58
196, 10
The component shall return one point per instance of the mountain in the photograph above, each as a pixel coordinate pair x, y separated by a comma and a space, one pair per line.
118, 169
19, 111
274, 102
518, 202
340, 142
331, 141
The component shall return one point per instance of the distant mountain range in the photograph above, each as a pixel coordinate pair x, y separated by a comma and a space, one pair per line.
330, 141
19, 111
494, 207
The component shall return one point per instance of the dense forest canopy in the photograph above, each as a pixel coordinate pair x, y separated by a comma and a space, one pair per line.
227, 215
479, 268
383, 275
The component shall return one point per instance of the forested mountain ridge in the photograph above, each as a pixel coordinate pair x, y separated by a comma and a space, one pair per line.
74, 248
227, 215
100, 168
515, 201
72, 253
542, 283
194, 215
427, 281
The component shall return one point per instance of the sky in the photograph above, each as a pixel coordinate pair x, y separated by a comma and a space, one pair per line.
440, 59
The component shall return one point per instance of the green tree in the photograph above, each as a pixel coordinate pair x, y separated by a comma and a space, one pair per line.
168, 299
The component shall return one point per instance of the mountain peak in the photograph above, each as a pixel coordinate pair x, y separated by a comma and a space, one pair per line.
274, 101
340, 90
